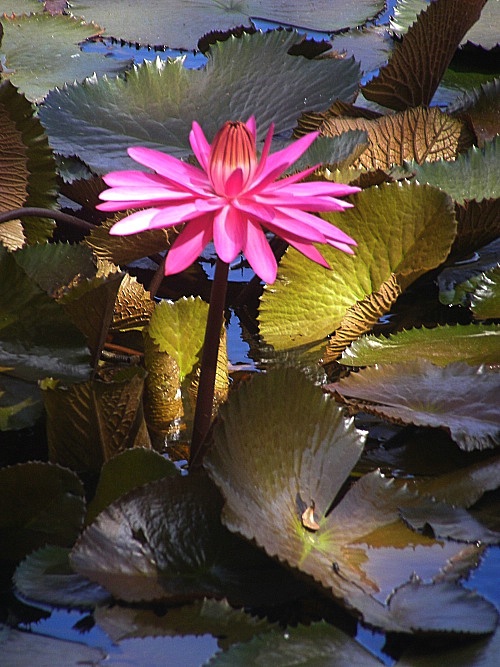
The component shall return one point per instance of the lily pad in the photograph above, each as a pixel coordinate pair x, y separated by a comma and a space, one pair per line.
20, 403
54, 347
482, 107
46, 576
280, 458
473, 175
40, 503
301, 646
57, 58
165, 541
127, 471
418, 63
485, 299
90, 422
27, 168
181, 23
459, 398
396, 231
158, 101
472, 343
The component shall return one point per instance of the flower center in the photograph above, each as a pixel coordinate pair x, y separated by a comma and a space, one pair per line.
233, 149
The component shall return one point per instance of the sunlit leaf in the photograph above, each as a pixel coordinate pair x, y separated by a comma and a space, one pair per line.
57, 58
482, 107
289, 450
27, 168
133, 305
418, 134
158, 101
300, 646
90, 422
54, 346
485, 299
125, 472
459, 398
417, 65
207, 616
165, 541
21, 648
473, 343
181, 23
40, 504
397, 233
46, 576
473, 175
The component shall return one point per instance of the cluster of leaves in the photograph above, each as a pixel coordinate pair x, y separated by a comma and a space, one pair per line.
114, 373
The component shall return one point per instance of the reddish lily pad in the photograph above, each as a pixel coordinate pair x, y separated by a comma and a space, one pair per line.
459, 398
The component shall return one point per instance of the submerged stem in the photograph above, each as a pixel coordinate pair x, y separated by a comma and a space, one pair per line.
205, 398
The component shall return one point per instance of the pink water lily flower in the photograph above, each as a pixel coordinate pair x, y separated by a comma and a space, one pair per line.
233, 199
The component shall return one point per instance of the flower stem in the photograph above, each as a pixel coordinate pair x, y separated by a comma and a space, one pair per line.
58, 216
205, 398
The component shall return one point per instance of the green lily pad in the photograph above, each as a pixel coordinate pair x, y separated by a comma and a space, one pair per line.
40, 504
371, 46
169, 326
46, 576
472, 343
165, 541
459, 398
54, 347
280, 457
90, 422
181, 23
473, 175
57, 57
301, 646
395, 228
158, 101
125, 472
485, 299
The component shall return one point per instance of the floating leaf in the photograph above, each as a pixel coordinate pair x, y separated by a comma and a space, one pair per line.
473, 343
459, 398
40, 503
181, 23
90, 422
165, 541
27, 168
125, 472
285, 450
371, 46
418, 134
300, 646
46, 576
417, 65
133, 306
54, 347
485, 299
482, 108
397, 233
57, 58
158, 101
473, 175
20, 403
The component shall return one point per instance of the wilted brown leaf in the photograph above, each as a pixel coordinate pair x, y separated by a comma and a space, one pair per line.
417, 65
133, 307
478, 223
312, 120
481, 108
415, 134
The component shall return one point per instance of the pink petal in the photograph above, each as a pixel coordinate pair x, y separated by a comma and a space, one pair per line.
342, 246
133, 223
252, 126
144, 193
315, 189
234, 183
278, 162
200, 145
259, 253
310, 252
265, 152
330, 231
173, 215
171, 168
131, 178
278, 223
189, 245
229, 233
